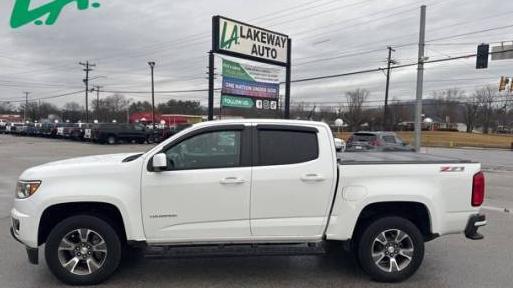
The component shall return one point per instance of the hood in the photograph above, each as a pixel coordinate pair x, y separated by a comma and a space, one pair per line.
109, 158
74, 166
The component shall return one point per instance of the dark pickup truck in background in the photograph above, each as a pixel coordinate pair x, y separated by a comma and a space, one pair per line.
114, 133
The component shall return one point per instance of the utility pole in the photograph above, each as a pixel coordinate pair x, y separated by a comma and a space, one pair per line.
97, 88
87, 69
26, 107
152, 66
420, 78
386, 119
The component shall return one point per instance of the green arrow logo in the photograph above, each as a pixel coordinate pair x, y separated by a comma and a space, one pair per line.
22, 14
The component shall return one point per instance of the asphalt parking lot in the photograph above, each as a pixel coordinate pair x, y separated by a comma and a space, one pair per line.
451, 261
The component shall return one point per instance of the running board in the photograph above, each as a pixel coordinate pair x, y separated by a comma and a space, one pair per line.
235, 250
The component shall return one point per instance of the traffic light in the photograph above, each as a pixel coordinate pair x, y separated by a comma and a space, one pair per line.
503, 83
482, 56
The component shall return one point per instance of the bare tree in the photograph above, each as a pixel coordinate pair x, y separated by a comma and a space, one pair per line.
354, 114
6, 107
485, 97
446, 103
470, 112
72, 111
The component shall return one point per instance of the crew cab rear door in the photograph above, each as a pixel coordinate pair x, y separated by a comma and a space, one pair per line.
204, 195
293, 184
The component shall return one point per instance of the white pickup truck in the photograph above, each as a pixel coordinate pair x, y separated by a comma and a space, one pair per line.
245, 182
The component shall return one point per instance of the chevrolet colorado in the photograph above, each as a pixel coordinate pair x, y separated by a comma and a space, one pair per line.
240, 182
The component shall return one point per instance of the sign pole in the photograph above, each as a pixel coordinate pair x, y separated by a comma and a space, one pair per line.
287, 79
211, 85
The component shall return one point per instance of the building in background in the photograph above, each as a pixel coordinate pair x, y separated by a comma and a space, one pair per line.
171, 120
11, 118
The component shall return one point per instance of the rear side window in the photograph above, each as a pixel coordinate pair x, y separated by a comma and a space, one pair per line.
389, 139
281, 147
363, 137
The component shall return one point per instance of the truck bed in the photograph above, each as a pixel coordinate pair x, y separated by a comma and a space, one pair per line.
363, 158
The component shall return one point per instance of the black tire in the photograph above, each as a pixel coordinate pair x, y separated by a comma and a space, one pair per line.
367, 245
111, 140
106, 231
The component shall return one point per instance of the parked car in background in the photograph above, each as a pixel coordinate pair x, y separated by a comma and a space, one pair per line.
163, 133
31, 129
377, 141
3, 126
63, 129
48, 130
113, 133
77, 131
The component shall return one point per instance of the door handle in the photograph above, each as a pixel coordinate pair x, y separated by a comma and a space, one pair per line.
312, 178
233, 180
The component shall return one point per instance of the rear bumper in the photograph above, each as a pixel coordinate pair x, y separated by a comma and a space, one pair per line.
474, 222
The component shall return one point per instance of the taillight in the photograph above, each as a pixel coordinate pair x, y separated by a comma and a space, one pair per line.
478, 189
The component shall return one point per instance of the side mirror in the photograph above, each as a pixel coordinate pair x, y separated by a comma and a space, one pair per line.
159, 162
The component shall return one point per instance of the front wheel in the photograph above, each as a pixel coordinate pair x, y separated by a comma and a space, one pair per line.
83, 250
391, 249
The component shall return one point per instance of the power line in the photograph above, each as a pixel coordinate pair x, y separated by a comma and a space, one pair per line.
43, 98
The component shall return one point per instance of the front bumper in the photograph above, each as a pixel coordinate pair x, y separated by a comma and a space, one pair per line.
32, 253
474, 222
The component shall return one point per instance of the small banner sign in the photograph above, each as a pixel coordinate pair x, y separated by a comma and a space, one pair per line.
249, 87
252, 89
236, 102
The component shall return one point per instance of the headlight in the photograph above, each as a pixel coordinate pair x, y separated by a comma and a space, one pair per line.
25, 189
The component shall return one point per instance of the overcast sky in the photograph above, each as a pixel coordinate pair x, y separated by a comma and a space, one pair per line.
329, 37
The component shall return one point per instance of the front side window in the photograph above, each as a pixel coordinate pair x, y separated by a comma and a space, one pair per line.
277, 147
220, 149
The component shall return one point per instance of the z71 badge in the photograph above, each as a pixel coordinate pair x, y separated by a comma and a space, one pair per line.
452, 169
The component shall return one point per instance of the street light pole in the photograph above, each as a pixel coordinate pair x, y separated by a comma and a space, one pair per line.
152, 66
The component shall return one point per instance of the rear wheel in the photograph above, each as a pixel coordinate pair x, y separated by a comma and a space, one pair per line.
83, 250
391, 249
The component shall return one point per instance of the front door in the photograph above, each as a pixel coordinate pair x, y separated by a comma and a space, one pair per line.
205, 192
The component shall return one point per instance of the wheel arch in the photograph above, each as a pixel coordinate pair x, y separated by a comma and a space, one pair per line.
416, 212
54, 214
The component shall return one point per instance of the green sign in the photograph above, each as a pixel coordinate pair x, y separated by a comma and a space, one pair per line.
23, 14
236, 102
249, 72
234, 70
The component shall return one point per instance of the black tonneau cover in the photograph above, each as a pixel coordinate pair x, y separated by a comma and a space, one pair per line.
362, 158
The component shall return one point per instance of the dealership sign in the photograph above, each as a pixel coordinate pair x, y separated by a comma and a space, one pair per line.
249, 86
246, 41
